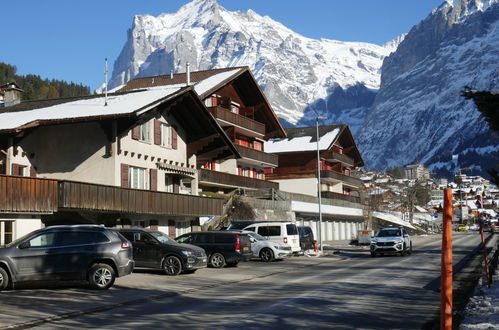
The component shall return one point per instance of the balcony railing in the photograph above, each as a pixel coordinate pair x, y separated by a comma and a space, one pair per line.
257, 155
231, 180
75, 195
336, 157
343, 197
23, 194
238, 120
345, 179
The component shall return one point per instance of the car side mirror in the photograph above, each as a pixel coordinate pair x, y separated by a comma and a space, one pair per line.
24, 245
252, 240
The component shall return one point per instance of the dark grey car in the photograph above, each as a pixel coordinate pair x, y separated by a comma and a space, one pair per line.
79, 252
154, 249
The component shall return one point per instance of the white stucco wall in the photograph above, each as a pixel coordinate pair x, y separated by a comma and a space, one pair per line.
307, 186
26, 226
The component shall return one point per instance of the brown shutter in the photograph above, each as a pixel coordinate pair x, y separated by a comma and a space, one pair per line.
153, 179
174, 137
15, 169
124, 176
171, 228
153, 224
176, 185
157, 132
32, 172
136, 132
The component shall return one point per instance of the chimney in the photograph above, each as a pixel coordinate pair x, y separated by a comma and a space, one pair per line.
171, 74
188, 73
10, 94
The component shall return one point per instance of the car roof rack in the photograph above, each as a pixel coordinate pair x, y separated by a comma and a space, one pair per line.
91, 225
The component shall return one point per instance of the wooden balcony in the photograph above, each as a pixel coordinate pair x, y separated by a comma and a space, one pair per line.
215, 178
33, 195
85, 196
332, 156
237, 120
339, 177
263, 158
338, 196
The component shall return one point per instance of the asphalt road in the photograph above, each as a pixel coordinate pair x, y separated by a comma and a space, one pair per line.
349, 290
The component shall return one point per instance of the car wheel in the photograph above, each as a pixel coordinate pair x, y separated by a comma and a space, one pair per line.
404, 251
266, 255
410, 249
4, 278
172, 266
217, 260
373, 254
101, 276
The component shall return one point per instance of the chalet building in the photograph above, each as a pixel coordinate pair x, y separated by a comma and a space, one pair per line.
244, 113
341, 199
10, 94
130, 159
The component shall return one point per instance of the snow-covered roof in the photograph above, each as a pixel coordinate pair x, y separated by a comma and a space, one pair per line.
302, 143
393, 219
205, 85
89, 107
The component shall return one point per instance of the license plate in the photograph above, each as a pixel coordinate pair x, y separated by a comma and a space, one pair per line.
245, 248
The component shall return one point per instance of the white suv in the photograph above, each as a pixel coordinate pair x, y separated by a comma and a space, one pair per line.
391, 240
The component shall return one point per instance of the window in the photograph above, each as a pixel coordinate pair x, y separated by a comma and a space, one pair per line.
166, 135
137, 177
43, 240
168, 183
6, 232
223, 239
291, 229
144, 132
80, 237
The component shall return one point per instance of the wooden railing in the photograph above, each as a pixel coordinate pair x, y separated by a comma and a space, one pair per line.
336, 157
24, 194
231, 180
238, 120
260, 156
75, 195
343, 197
345, 179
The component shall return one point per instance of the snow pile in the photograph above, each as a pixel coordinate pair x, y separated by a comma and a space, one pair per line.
482, 311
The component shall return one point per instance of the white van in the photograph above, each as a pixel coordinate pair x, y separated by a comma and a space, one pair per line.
282, 232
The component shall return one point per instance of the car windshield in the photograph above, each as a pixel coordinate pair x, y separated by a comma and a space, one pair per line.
388, 232
162, 237
257, 236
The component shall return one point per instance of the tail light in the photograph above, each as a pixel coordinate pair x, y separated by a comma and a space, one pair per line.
285, 240
125, 245
238, 243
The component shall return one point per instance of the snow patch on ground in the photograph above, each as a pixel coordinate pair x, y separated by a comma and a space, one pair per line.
482, 311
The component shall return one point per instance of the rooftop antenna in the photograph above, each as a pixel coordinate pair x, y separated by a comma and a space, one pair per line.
188, 73
105, 74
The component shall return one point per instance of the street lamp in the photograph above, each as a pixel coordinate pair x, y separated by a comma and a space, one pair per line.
317, 119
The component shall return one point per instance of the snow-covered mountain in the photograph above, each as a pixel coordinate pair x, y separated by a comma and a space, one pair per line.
294, 71
418, 115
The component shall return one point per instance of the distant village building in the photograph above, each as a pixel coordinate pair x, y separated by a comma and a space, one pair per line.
416, 172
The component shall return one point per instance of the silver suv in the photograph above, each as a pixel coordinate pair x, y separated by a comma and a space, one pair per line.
391, 240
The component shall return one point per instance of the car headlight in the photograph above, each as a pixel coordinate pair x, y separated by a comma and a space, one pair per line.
277, 247
187, 253
398, 241
374, 241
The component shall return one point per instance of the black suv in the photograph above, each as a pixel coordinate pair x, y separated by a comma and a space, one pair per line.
154, 249
222, 247
78, 252
306, 237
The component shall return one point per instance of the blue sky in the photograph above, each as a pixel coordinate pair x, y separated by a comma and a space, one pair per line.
69, 39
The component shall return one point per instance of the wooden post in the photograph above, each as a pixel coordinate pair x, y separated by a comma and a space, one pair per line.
446, 270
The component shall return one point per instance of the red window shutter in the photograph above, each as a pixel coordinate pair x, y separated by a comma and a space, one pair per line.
268, 170
153, 178
136, 132
213, 166
213, 101
171, 229
32, 172
239, 170
174, 137
254, 173
157, 132
124, 176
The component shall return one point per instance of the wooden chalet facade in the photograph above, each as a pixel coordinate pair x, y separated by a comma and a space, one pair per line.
242, 110
130, 162
341, 192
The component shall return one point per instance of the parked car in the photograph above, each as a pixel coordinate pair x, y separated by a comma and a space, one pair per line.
154, 249
222, 247
489, 226
462, 227
268, 250
78, 252
306, 237
391, 240
282, 232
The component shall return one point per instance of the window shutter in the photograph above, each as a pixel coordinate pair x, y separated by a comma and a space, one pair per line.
176, 186
239, 170
174, 137
32, 172
136, 132
124, 176
171, 229
157, 132
153, 178
15, 169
